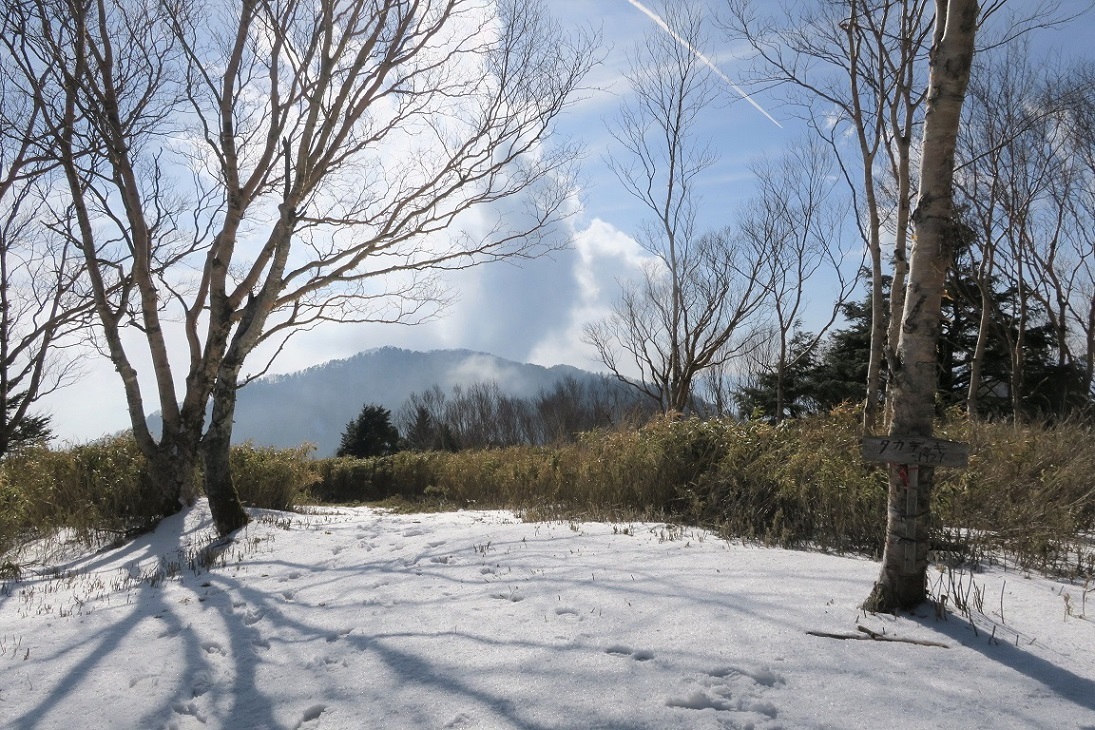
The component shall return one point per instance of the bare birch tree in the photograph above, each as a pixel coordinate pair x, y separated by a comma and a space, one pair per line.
1062, 252
902, 581
1080, 115
240, 171
856, 70
698, 289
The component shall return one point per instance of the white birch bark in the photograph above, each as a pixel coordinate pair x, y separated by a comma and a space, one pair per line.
902, 581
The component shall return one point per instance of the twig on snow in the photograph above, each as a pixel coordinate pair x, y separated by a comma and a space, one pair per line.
869, 635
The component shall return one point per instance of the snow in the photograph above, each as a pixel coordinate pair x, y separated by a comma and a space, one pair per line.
359, 618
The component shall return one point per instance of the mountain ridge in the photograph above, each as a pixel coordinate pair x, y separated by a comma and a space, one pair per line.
314, 405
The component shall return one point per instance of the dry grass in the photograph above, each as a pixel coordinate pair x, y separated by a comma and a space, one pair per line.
100, 492
95, 491
1028, 496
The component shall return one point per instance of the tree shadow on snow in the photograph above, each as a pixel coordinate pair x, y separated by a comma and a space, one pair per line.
1064, 683
104, 653
406, 655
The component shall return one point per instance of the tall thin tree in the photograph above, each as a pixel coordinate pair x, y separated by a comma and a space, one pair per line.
902, 581
854, 69
795, 218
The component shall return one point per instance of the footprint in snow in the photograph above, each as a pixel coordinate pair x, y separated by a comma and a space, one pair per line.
735, 690
335, 636
189, 708
762, 675
202, 682
754, 711
253, 616
213, 647
512, 596
640, 655
699, 700
329, 663
462, 720
311, 715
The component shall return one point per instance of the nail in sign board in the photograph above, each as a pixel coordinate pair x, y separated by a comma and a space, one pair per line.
916, 450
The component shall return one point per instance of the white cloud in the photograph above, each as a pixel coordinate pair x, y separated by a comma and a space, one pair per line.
605, 256
531, 312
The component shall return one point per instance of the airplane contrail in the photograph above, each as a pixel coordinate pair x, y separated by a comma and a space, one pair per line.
664, 26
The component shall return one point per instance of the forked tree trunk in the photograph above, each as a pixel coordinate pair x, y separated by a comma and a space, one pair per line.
172, 468
216, 445
224, 501
902, 581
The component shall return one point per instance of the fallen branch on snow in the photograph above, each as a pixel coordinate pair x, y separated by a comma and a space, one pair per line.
868, 635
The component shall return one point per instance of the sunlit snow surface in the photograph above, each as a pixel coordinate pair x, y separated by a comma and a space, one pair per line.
364, 619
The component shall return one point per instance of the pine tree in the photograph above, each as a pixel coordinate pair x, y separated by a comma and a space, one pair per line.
370, 434
834, 374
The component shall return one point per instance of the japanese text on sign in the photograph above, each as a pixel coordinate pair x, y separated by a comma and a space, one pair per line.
913, 450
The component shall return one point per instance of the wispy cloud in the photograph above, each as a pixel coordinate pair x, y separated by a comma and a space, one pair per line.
706, 61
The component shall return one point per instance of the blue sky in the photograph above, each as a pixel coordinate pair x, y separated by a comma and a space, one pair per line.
535, 312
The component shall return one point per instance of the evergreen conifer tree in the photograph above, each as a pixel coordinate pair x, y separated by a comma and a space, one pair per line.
370, 434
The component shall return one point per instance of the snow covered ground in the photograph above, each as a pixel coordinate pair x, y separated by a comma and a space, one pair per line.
357, 618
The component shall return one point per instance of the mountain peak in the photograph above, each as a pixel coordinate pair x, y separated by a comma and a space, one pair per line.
314, 405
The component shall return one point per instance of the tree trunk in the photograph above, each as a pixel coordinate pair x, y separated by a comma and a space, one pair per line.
901, 239
1089, 362
977, 361
224, 502
172, 467
1018, 358
779, 393
902, 580
898, 292
781, 369
878, 322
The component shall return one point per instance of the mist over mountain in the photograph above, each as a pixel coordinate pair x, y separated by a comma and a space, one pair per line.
314, 405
